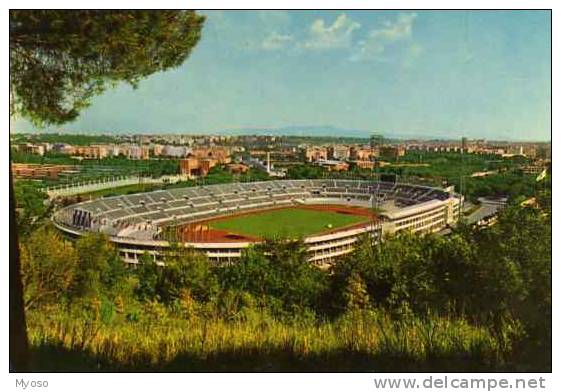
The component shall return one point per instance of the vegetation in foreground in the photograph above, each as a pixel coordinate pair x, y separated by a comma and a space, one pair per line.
479, 299
253, 340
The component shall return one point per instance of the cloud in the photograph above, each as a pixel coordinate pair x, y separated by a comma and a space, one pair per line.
246, 30
377, 39
414, 51
276, 41
338, 35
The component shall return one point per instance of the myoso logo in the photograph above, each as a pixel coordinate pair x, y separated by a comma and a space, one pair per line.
24, 384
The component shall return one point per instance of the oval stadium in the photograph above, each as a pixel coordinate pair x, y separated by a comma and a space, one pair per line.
221, 220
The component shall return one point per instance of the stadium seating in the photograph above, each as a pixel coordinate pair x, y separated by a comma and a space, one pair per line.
183, 205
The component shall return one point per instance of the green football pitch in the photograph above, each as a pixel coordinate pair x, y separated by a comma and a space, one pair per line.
288, 222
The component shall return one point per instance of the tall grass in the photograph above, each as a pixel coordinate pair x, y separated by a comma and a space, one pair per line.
362, 340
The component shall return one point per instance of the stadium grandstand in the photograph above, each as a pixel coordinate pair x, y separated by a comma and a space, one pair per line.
151, 222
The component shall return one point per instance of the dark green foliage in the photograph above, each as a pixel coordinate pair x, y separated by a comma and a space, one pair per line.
31, 208
279, 274
356, 294
450, 168
494, 276
515, 270
504, 262
48, 158
73, 139
306, 171
100, 268
442, 169
511, 184
48, 267
60, 59
219, 175
148, 274
152, 167
189, 271
253, 274
91, 169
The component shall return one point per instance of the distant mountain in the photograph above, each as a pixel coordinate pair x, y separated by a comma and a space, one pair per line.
332, 131
304, 130
292, 130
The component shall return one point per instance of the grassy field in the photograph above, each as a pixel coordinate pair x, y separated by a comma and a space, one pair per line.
289, 222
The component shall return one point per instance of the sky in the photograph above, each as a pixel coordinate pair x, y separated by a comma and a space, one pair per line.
480, 74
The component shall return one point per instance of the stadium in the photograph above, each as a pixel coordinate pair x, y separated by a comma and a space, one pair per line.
329, 215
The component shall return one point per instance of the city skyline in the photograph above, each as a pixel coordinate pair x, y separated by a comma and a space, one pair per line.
406, 74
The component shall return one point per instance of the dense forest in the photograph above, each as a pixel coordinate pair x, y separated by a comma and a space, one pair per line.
478, 299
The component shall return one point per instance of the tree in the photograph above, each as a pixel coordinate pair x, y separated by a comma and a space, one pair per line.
355, 294
30, 206
147, 272
183, 271
498, 276
305, 171
514, 271
100, 268
253, 273
281, 269
278, 274
191, 271
58, 61
19, 354
48, 267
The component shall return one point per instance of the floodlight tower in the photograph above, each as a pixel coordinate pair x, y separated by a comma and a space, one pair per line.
268, 162
376, 141
462, 180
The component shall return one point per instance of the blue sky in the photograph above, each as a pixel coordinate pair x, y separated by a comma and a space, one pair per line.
401, 73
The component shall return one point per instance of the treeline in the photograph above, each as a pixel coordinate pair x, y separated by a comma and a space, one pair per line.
50, 158
507, 183
479, 299
74, 139
451, 168
98, 168
512, 185
217, 175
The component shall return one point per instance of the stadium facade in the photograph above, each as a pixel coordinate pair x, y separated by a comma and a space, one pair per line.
137, 223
